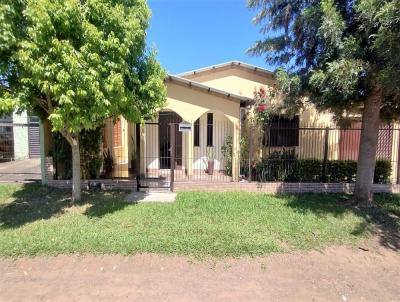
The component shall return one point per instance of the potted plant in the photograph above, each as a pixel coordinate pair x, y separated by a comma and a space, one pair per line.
210, 161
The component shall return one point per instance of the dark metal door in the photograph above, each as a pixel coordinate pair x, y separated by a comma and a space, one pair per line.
6, 139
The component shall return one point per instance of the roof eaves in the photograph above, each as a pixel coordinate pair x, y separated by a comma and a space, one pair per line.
208, 89
231, 63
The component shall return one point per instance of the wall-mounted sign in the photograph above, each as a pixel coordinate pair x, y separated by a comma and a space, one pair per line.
185, 127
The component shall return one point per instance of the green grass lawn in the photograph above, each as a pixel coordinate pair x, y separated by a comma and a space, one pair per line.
36, 220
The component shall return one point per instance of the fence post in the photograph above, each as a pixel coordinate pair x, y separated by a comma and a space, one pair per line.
326, 154
137, 156
250, 150
172, 158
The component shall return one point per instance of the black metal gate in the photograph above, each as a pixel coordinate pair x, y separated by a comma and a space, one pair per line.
6, 141
162, 153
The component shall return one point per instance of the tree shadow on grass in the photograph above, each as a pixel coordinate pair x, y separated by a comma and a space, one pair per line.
34, 202
104, 203
381, 221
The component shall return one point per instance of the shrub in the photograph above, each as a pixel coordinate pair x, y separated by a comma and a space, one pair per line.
285, 166
278, 166
342, 171
227, 151
91, 157
383, 170
307, 170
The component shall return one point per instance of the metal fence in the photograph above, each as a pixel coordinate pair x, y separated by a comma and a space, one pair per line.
318, 154
168, 154
158, 153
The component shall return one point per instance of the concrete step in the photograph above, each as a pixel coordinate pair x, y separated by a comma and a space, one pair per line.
143, 197
160, 189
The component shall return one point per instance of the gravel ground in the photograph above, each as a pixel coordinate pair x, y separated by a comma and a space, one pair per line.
334, 274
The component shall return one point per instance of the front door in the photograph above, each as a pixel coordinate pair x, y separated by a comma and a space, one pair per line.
164, 121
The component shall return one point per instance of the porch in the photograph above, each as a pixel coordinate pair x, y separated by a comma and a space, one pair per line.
156, 151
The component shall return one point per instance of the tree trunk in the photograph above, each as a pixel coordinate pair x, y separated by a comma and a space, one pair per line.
76, 171
73, 141
367, 150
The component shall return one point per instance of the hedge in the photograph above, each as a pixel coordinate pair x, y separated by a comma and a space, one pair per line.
312, 170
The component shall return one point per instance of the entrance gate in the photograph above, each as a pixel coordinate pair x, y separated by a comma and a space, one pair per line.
162, 152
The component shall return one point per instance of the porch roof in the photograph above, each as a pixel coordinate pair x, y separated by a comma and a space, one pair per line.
243, 101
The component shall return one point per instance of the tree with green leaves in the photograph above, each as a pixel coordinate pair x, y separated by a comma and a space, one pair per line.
344, 56
77, 63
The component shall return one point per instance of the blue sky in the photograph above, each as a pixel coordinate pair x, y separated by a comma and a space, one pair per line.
190, 34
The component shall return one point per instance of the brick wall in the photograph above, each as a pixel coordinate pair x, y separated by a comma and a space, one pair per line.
279, 187
269, 187
106, 184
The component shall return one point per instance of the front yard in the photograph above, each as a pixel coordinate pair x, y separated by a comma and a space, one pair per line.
36, 220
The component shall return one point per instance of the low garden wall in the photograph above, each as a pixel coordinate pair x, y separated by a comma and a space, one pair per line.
261, 187
103, 184
280, 187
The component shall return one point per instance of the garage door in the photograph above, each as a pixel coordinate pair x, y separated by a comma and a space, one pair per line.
34, 137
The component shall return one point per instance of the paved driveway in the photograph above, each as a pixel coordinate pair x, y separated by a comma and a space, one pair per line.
20, 170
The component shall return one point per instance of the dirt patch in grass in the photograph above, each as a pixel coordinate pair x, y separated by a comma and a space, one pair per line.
333, 274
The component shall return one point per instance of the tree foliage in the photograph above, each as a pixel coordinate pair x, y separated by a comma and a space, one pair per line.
78, 62
6, 103
343, 55
333, 51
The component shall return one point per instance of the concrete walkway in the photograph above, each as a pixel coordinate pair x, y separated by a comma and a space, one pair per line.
162, 196
26, 170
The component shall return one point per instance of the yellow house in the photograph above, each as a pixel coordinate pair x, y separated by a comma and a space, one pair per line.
211, 103
212, 100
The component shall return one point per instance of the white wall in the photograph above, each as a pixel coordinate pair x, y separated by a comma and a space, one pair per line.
21, 136
222, 128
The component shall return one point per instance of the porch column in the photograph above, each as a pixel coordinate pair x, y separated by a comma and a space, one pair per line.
395, 153
46, 168
131, 144
235, 149
189, 153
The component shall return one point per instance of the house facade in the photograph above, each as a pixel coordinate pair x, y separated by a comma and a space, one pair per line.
213, 101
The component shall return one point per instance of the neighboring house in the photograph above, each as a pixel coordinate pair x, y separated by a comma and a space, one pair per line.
213, 100
19, 137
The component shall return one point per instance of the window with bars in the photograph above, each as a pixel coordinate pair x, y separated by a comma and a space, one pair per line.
196, 130
282, 132
210, 129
